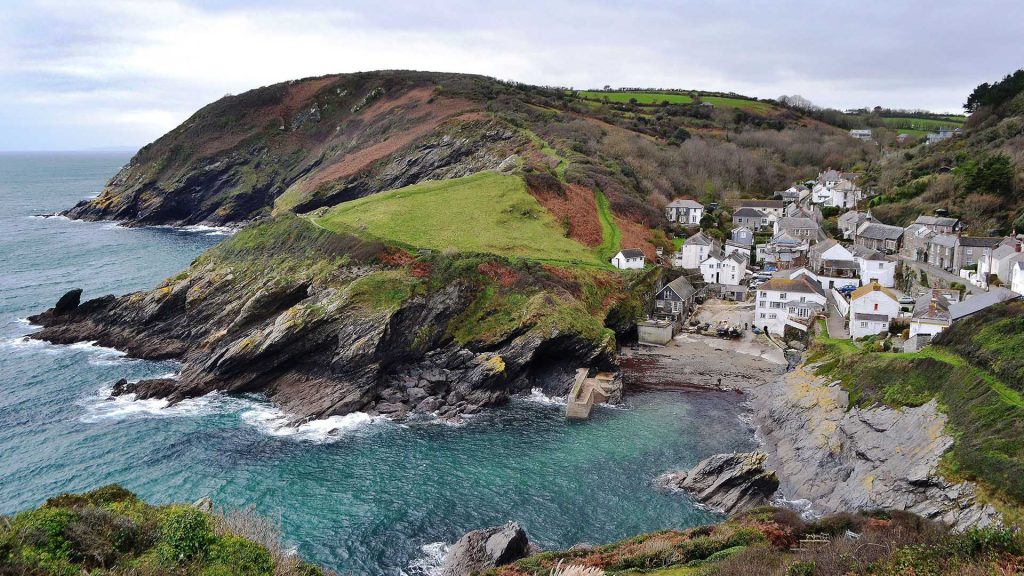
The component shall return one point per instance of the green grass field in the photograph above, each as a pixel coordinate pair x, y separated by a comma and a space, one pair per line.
641, 97
611, 236
920, 126
486, 212
655, 98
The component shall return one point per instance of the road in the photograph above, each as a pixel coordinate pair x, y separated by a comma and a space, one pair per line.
936, 272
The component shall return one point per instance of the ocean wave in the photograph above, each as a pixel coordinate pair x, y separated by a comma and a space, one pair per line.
537, 396
273, 421
431, 561
102, 406
200, 228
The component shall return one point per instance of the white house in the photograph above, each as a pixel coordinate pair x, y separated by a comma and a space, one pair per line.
931, 314
685, 211
1017, 277
771, 208
875, 267
1000, 261
629, 259
872, 307
732, 247
695, 250
721, 269
782, 302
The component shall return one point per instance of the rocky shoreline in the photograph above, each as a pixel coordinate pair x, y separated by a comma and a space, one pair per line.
815, 448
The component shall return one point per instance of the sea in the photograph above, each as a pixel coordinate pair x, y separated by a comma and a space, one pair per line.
355, 494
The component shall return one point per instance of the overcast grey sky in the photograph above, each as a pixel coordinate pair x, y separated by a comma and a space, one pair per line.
87, 74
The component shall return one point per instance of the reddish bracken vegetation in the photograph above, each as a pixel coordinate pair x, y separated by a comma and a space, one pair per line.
636, 235
572, 205
499, 273
400, 258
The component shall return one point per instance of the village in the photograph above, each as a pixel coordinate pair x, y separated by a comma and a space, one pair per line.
779, 272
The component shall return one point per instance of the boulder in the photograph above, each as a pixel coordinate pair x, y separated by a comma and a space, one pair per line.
731, 483
68, 302
481, 550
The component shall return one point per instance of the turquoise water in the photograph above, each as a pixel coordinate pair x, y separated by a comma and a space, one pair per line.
374, 498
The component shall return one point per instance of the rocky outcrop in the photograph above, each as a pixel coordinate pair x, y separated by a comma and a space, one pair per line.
480, 550
841, 459
68, 302
285, 319
730, 483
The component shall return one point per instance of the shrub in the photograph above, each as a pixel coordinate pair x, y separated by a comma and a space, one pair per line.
239, 557
46, 530
186, 534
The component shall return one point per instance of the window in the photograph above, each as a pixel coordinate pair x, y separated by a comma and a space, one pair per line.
762, 314
761, 304
863, 324
776, 305
764, 294
876, 306
782, 296
880, 265
771, 316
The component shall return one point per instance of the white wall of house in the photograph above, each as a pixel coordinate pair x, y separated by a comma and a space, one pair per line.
1017, 280
883, 271
873, 302
770, 308
691, 255
924, 327
721, 271
623, 263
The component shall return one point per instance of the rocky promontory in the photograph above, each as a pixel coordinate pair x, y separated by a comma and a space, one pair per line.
730, 483
327, 324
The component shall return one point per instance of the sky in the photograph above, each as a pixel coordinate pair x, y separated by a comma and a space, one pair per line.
90, 74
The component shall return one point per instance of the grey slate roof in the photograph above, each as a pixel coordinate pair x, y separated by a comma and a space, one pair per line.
933, 306
748, 213
935, 221
980, 241
699, 239
682, 287
685, 203
879, 231
870, 317
632, 253
979, 302
947, 240
865, 253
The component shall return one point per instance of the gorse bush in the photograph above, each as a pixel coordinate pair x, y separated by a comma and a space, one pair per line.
109, 531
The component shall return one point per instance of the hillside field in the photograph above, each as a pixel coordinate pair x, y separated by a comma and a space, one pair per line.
485, 212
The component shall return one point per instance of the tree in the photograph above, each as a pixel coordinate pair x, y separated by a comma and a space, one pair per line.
992, 174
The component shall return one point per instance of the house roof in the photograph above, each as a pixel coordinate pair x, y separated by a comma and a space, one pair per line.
852, 217
632, 253
841, 264
936, 220
785, 238
947, 240
879, 231
918, 230
749, 203
800, 284
685, 203
682, 287
797, 223
865, 253
739, 257
980, 241
748, 213
932, 305
829, 175
699, 239
873, 287
979, 302
870, 317
737, 244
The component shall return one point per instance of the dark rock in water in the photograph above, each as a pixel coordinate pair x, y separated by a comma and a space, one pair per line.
481, 550
728, 482
122, 387
68, 302
429, 404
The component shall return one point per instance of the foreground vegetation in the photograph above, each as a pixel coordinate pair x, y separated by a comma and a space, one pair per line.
984, 405
110, 531
760, 543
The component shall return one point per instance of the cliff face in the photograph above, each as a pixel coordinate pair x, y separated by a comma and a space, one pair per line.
327, 324
841, 458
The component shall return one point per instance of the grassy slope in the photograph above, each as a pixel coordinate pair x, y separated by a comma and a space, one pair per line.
611, 236
110, 531
656, 98
986, 413
485, 212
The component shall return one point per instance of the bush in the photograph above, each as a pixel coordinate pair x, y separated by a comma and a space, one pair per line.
186, 534
239, 557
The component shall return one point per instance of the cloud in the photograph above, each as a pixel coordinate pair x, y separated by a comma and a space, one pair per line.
134, 69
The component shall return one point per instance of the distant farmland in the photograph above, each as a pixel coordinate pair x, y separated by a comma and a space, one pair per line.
646, 98
920, 126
